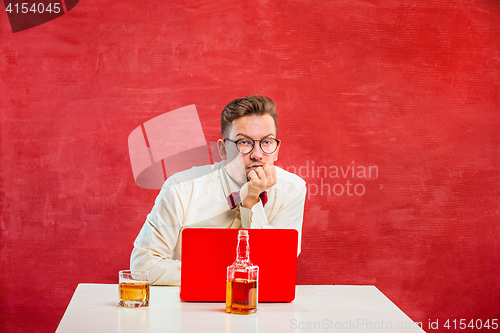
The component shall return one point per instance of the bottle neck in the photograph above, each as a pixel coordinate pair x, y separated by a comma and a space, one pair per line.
243, 249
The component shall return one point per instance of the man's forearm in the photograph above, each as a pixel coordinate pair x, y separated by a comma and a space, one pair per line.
162, 271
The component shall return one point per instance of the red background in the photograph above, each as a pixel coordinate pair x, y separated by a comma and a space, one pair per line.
411, 87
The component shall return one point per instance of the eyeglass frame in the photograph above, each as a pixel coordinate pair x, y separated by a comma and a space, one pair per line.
253, 144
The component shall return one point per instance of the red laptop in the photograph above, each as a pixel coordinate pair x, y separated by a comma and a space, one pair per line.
206, 253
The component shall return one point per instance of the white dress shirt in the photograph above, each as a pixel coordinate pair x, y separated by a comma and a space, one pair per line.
197, 198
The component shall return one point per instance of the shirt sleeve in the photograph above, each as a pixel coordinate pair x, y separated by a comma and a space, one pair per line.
289, 216
154, 246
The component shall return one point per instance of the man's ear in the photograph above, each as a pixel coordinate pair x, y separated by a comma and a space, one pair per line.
277, 151
221, 146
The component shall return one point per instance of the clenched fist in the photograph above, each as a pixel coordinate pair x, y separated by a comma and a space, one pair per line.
259, 180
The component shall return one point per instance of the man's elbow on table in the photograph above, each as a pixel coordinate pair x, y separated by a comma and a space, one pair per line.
161, 271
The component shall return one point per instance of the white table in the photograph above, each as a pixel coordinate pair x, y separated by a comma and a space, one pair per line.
94, 308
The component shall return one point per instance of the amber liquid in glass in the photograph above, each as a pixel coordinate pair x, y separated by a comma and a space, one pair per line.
134, 294
241, 296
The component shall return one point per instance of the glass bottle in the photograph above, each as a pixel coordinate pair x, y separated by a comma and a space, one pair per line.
242, 280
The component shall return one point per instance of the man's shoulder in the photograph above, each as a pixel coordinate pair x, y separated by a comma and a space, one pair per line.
195, 173
290, 178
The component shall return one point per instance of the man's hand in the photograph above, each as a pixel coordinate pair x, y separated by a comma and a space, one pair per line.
259, 180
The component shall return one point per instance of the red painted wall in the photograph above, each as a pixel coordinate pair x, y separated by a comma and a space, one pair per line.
407, 89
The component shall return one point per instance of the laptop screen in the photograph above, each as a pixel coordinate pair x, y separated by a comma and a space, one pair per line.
206, 253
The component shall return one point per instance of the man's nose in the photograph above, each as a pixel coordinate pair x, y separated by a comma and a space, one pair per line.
256, 153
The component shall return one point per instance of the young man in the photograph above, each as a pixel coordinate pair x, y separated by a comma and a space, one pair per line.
245, 190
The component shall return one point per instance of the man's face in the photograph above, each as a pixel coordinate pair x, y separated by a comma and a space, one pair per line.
256, 128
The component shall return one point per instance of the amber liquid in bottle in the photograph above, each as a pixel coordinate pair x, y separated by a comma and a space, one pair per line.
242, 280
242, 296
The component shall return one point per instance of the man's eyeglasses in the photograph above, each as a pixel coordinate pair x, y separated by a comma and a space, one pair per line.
246, 145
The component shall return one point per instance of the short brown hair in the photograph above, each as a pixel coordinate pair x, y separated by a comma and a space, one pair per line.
252, 105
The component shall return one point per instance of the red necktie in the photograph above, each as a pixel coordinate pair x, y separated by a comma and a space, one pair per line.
263, 197
234, 199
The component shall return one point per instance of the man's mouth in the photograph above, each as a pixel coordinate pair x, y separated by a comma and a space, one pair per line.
255, 166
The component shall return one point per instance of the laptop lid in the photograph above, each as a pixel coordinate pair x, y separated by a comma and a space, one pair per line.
206, 253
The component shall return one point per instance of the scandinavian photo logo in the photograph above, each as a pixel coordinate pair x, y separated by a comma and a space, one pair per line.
335, 180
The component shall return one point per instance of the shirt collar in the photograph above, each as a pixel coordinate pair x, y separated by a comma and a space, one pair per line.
228, 184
